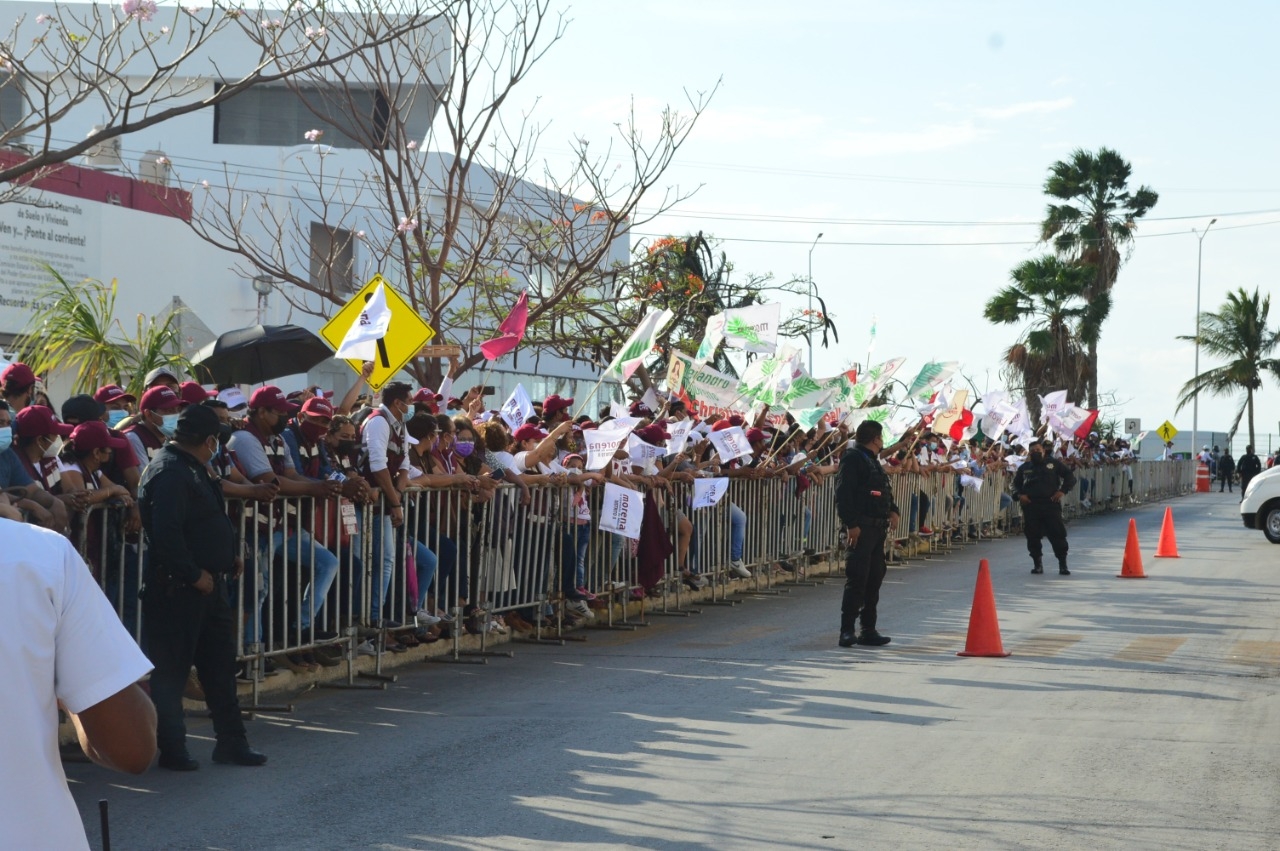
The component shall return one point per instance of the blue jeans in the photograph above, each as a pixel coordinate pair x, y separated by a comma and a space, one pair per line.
425, 564
737, 532
299, 552
383, 536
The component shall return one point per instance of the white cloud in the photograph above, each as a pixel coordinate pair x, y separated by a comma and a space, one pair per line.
1032, 107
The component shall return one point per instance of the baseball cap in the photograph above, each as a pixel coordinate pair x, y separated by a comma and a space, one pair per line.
529, 432
94, 434
652, 433
555, 403
198, 421
755, 435
109, 393
160, 398
272, 398
316, 390
318, 406
640, 409
160, 372
425, 395
37, 421
192, 393
82, 409
18, 374
234, 398
572, 456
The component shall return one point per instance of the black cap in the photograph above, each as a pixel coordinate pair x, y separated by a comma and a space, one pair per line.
198, 421
82, 409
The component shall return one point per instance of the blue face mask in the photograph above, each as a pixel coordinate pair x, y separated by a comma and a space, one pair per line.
170, 425
114, 418
6, 438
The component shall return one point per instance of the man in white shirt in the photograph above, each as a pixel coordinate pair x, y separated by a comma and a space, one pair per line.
60, 642
386, 468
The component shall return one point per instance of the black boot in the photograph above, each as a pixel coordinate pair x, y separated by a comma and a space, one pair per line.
1062, 567
871, 638
177, 759
1037, 566
238, 752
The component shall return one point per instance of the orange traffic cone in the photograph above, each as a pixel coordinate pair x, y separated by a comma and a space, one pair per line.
1131, 568
1168, 546
984, 626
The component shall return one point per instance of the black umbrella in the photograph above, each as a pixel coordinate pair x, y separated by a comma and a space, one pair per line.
259, 353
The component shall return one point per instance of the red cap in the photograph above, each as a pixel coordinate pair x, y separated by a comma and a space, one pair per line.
160, 398
113, 393
192, 393
37, 421
555, 403
94, 434
424, 395
755, 435
18, 374
721, 425
318, 406
652, 433
736, 420
272, 398
529, 432
573, 456
640, 409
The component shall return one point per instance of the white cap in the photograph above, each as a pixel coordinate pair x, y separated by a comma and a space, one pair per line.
234, 399
157, 372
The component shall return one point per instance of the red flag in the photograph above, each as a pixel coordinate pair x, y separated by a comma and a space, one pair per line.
962, 422
512, 329
1087, 426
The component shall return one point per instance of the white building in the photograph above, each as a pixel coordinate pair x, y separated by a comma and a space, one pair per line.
108, 227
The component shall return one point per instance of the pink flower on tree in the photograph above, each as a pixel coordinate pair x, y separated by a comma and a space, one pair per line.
413, 146
407, 224
43, 18
313, 135
142, 10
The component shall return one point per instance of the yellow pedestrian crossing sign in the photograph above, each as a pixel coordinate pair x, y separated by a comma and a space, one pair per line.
1166, 431
405, 337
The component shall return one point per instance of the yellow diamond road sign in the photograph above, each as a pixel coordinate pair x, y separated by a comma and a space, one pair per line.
1166, 431
406, 335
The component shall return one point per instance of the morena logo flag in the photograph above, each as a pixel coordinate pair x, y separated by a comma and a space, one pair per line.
621, 511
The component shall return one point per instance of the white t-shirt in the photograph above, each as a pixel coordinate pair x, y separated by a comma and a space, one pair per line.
59, 639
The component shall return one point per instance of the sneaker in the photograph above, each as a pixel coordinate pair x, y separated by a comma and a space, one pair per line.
366, 648
581, 609
1086, 503
585, 594
618, 585
694, 581
739, 569
425, 618
786, 566
925, 530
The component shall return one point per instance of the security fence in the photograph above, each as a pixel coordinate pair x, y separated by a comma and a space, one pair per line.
327, 573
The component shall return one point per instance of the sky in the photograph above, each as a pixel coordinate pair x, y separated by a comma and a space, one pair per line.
874, 122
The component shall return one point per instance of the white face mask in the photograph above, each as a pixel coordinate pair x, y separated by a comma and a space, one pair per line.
54, 448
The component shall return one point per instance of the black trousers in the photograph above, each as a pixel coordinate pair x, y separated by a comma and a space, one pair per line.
864, 571
1044, 520
184, 628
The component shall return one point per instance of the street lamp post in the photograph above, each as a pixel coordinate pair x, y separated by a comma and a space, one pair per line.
811, 247
1195, 402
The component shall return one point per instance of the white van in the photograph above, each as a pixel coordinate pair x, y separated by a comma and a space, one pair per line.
1260, 508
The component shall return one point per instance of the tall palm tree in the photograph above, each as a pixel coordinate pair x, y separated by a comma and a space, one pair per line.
1092, 226
1237, 333
1048, 294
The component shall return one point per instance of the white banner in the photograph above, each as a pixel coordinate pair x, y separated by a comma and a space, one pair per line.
621, 511
679, 436
753, 329
641, 451
518, 408
731, 443
707, 492
361, 340
602, 443
971, 482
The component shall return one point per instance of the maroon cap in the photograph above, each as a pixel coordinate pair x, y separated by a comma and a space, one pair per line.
736, 420
272, 398
755, 435
640, 409
94, 434
316, 390
318, 406
652, 434
424, 396
555, 403
18, 374
113, 393
529, 432
454, 400
192, 393
37, 421
160, 398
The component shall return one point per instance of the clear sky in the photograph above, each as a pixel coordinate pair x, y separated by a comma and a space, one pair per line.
871, 121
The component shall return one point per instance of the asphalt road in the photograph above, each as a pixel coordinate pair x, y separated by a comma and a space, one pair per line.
1132, 714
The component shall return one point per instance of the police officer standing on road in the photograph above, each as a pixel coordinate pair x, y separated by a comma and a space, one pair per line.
864, 501
1039, 485
187, 616
1248, 466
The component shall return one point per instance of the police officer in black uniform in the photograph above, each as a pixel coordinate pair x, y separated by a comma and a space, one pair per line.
864, 501
187, 618
1039, 485
1248, 467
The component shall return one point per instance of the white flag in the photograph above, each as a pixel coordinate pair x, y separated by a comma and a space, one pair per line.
361, 339
707, 492
602, 443
731, 443
1067, 420
641, 451
1050, 404
621, 510
650, 400
518, 408
638, 346
679, 436
711, 339
617, 409
971, 482
753, 329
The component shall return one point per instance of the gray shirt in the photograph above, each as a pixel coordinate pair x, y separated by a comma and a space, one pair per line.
251, 456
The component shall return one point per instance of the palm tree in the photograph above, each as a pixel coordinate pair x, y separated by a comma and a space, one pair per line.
1237, 333
1049, 294
1090, 228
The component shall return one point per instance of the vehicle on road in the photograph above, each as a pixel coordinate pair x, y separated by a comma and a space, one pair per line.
1260, 507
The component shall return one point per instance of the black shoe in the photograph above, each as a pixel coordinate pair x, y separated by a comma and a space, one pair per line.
871, 638
178, 761
1062, 568
1037, 566
847, 639
237, 753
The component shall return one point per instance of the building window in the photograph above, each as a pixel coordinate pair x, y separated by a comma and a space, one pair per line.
13, 106
333, 259
278, 116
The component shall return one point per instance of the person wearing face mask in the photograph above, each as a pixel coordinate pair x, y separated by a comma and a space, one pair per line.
122, 468
39, 437
17, 385
156, 421
1039, 485
117, 403
25, 495
187, 618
